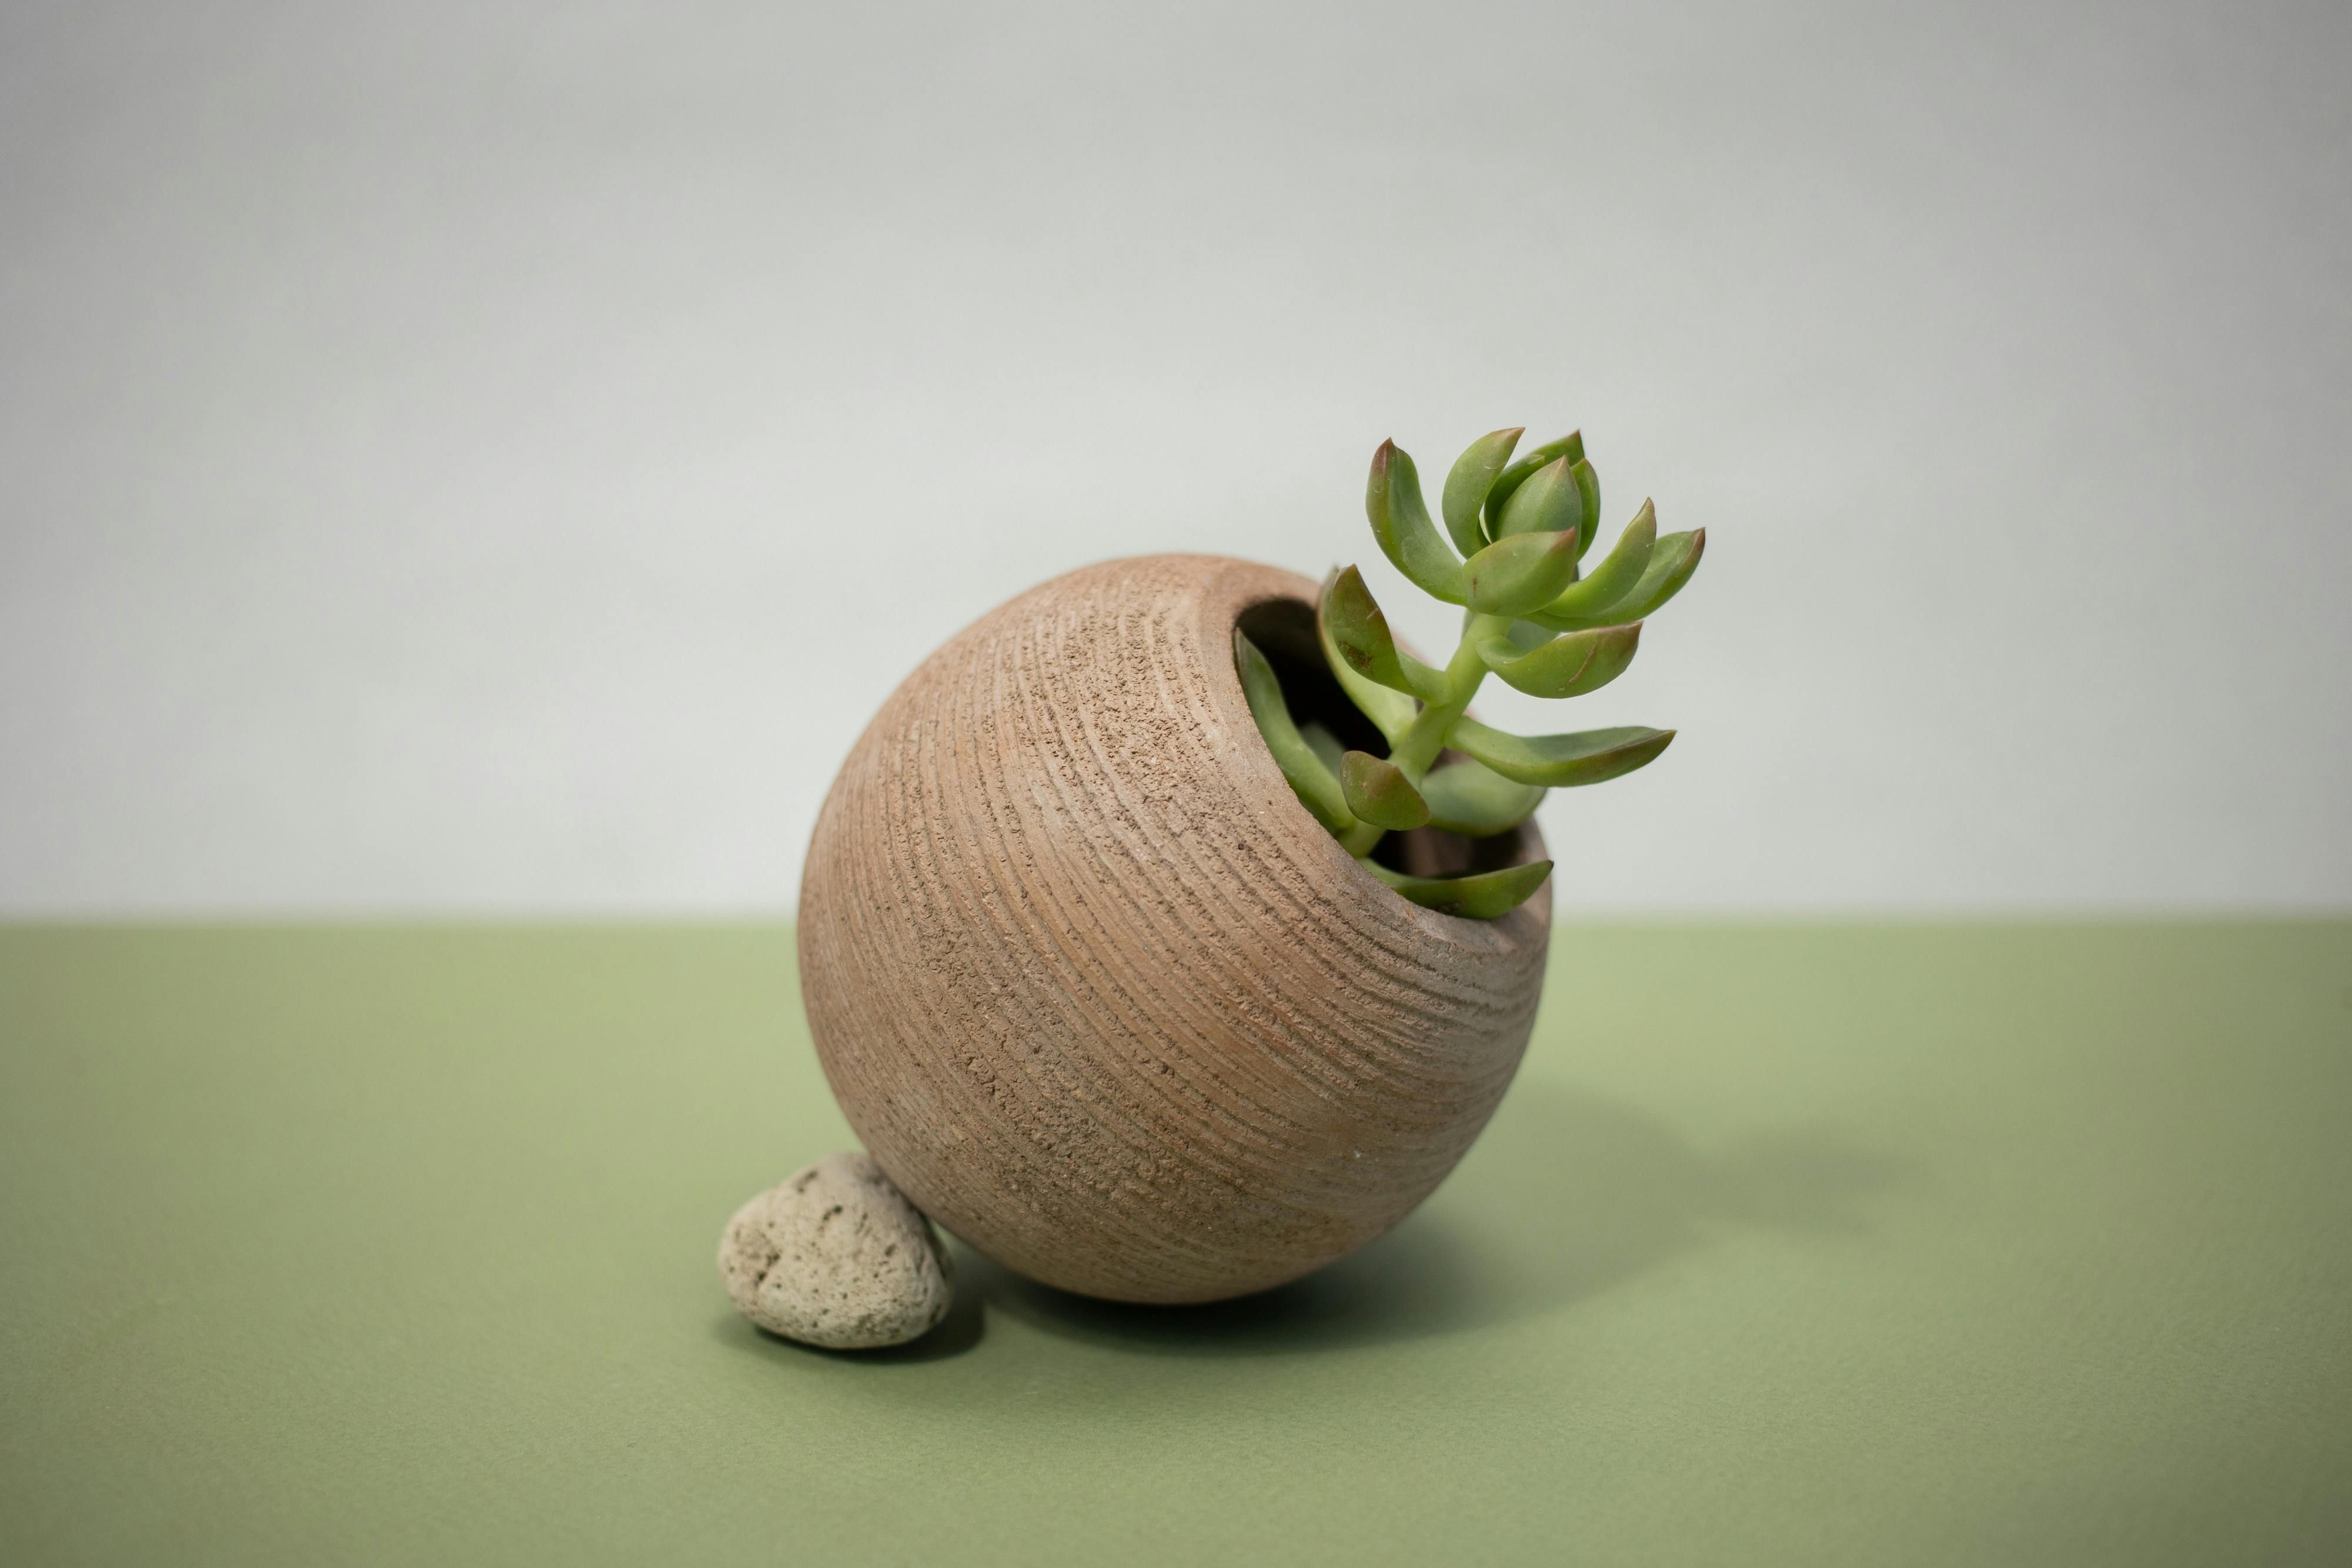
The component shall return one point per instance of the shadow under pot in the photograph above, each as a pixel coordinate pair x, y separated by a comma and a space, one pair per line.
1095, 990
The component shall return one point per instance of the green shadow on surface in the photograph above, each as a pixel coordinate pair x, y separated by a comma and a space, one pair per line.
1566, 1195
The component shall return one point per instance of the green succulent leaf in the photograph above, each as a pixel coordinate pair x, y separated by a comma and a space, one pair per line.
1316, 789
1570, 446
1379, 792
1473, 474
1401, 523
1327, 748
1484, 895
1361, 634
1567, 666
1549, 503
1588, 489
1619, 572
1561, 761
1521, 572
1473, 800
1392, 712
1669, 566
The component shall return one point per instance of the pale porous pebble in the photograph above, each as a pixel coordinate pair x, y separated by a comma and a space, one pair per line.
836, 1256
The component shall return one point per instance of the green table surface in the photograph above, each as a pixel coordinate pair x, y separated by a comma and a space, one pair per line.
1907, 1244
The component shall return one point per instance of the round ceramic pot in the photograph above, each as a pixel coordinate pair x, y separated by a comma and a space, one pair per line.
1095, 989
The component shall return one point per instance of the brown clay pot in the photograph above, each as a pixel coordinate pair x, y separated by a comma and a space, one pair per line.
1095, 990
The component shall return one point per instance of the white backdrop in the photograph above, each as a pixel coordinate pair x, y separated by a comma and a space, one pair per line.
484, 457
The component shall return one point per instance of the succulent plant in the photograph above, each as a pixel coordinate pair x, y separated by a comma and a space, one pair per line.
1518, 532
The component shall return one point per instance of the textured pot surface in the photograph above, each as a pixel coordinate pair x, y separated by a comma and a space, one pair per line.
1095, 990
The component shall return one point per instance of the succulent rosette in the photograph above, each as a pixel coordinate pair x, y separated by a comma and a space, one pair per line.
1511, 554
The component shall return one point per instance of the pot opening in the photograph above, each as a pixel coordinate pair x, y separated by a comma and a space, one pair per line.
1284, 630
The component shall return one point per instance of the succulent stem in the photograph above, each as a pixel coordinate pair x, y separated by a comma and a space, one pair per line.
1418, 747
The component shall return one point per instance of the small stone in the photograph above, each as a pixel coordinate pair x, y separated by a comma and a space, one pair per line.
836, 1256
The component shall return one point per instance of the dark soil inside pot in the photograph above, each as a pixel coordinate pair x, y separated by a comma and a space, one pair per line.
1284, 630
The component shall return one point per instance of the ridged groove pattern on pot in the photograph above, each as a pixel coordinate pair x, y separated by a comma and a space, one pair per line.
1095, 990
